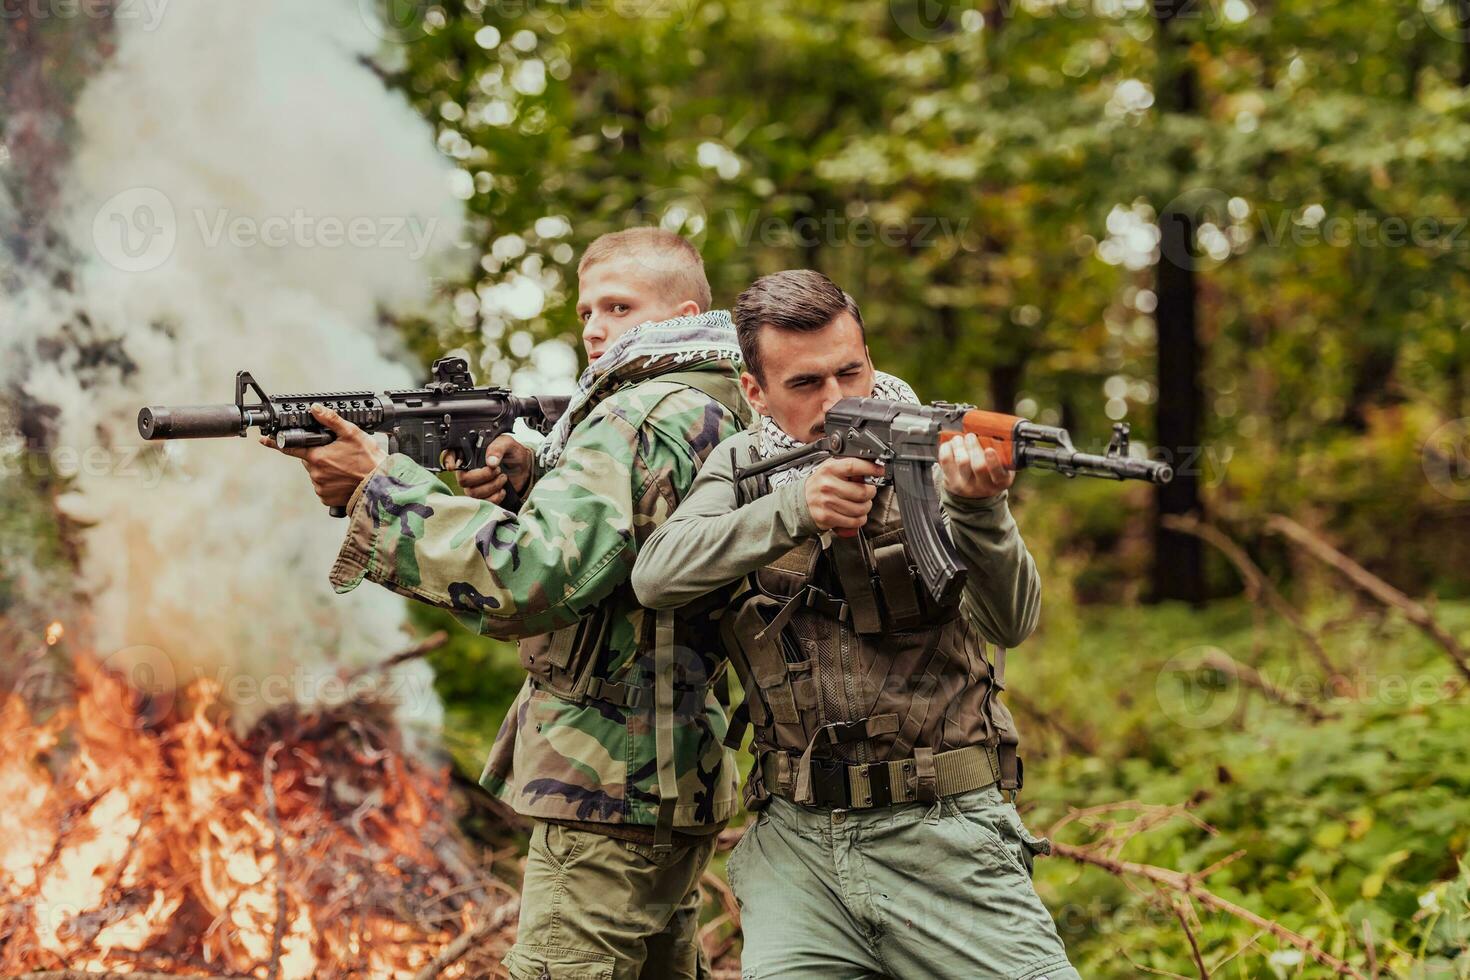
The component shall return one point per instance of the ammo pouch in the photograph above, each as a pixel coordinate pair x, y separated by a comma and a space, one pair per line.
564, 662
768, 661
881, 584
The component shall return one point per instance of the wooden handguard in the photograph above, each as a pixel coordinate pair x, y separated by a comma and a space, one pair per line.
995, 430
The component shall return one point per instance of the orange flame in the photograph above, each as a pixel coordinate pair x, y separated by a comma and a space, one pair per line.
128, 845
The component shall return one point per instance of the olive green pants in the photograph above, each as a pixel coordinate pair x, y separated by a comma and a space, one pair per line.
597, 908
913, 890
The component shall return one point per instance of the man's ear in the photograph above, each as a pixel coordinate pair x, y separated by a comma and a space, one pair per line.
753, 393
688, 308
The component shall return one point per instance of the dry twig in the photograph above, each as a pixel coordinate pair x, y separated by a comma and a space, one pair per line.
493, 922
1188, 884
1250, 677
1374, 586
1258, 587
427, 645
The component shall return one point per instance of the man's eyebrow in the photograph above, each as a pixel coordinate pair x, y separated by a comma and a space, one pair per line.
797, 379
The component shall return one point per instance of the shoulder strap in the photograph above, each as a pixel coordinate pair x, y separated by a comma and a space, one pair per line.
720, 387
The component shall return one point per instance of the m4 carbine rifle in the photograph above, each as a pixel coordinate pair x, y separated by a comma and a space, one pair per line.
905, 438
447, 415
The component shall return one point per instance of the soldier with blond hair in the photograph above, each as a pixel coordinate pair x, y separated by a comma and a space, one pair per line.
613, 746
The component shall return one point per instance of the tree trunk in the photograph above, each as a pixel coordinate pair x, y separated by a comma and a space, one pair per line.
1178, 571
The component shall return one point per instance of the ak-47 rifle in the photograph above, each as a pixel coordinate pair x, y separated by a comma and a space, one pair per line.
905, 438
448, 415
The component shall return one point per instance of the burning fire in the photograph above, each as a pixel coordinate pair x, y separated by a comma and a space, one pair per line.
314, 847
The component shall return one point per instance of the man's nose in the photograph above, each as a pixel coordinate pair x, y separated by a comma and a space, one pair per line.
592, 331
831, 394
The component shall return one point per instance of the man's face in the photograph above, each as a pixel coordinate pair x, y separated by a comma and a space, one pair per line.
808, 373
616, 295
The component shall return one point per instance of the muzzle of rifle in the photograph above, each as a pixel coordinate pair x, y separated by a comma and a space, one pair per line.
190, 421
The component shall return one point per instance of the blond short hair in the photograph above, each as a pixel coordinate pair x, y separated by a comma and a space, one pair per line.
670, 259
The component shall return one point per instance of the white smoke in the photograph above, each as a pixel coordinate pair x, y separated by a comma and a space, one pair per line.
244, 194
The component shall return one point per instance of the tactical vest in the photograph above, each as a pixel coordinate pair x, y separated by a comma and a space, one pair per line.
862, 691
572, 663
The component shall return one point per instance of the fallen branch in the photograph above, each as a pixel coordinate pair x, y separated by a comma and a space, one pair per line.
1258, 587
1250, 677
1199, 959
427, 645
1188, 884
730, 914
493, 922
1374, 586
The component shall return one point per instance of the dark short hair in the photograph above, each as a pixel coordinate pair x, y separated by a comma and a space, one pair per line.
797, 299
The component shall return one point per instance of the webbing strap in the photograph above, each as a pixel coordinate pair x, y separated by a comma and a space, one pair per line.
739, 721
927, 684
836, 732
854, 572
615, 693
926, 776
663, 725
955, 771
563, 642
811, 597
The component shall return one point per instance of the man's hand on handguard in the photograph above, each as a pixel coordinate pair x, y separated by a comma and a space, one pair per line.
972, 472
837, 496
506, 462
337, 468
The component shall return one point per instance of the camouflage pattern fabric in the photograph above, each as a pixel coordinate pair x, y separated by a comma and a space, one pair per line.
566, 555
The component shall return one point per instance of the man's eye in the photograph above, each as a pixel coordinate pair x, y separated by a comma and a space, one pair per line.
585, 315
620, 308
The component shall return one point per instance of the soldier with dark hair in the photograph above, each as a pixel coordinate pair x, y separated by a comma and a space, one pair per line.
614, 745
886, 845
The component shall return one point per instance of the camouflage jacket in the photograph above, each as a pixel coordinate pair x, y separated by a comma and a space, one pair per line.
567, 557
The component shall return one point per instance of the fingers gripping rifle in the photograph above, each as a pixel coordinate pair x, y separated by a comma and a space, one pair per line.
448, 416
905, 438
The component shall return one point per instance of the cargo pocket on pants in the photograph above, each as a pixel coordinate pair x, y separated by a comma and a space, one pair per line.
993, 828
1031, 845
555, 963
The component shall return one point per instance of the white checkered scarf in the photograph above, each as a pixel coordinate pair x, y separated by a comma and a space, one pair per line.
773, 439
647, 350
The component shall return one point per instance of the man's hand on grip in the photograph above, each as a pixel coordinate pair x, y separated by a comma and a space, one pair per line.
837, 496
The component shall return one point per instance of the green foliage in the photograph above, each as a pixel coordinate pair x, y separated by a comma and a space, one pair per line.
1365, 816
